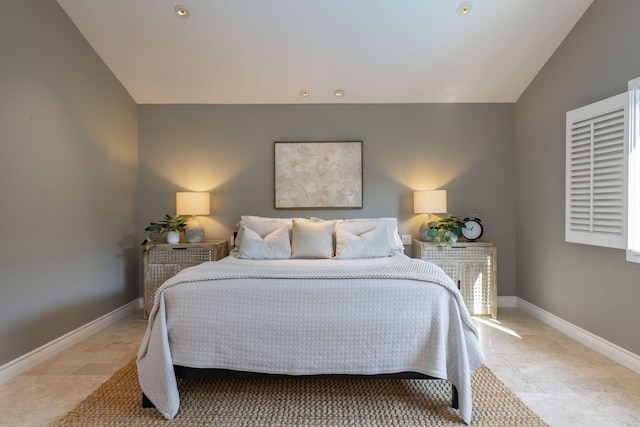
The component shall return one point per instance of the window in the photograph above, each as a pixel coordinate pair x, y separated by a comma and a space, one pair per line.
602, 205
633, 252
596, 187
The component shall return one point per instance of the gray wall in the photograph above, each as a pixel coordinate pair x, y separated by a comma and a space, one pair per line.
466, 149
591, 287
68, 181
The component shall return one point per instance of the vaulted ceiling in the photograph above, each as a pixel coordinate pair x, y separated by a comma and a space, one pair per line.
375, 51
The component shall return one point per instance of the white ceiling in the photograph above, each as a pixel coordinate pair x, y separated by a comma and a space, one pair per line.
377, 51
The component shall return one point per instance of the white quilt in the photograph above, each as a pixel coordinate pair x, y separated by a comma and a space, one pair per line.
301, 317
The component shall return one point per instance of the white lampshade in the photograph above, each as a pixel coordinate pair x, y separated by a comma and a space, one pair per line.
430, 201
193, 203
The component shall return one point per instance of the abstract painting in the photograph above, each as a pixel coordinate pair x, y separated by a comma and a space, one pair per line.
318, 175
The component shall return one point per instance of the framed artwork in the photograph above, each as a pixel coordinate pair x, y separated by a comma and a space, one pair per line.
318, 175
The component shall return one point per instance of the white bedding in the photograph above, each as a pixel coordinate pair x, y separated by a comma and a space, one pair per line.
368, 316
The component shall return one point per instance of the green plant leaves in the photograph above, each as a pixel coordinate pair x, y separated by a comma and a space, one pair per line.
442, 229
156, 229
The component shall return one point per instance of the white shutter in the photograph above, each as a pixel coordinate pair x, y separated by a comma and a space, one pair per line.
596, 173
633, 254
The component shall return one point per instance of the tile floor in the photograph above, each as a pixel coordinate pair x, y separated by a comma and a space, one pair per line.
566, 383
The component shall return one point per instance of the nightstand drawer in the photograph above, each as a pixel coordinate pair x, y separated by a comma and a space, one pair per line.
180, 254
460, 253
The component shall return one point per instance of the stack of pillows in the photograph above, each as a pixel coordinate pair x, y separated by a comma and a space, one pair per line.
314, 238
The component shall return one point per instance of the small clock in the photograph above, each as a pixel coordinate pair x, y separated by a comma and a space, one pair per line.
472, 228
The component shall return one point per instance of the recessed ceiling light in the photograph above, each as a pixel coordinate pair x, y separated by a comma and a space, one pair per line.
181, 11
304, 93
338, 92
464, 8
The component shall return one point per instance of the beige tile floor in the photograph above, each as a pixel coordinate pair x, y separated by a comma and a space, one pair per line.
566, 383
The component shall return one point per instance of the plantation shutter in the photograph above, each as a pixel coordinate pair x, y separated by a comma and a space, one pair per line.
596, 173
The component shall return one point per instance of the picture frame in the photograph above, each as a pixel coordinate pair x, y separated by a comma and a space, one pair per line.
318, 175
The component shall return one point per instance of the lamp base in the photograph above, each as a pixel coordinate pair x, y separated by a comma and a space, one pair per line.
424, 230
193, 232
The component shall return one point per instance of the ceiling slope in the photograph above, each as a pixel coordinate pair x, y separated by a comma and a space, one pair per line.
377, 51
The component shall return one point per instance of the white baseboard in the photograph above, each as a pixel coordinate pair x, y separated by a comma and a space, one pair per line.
40, 354
507, 301
612, 351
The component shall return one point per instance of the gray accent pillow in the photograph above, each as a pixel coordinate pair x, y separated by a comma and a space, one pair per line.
275, 245
370, 244
312, 239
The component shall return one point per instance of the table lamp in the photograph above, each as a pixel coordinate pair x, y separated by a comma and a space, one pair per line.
192, 203
429, 202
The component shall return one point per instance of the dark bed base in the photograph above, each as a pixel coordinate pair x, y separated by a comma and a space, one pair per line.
196, 373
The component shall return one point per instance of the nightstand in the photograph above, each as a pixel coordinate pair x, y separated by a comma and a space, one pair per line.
163, 261
472, 266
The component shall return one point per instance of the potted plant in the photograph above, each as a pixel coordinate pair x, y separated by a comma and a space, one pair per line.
446, 230
172, 225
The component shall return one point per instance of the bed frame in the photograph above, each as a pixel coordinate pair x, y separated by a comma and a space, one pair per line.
186, 373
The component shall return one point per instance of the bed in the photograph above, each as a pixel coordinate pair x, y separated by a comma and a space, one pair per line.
309, 297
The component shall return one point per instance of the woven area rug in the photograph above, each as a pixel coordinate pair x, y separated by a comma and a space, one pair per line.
304, 402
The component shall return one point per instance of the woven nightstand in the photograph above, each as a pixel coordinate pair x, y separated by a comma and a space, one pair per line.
472, 266
164, 261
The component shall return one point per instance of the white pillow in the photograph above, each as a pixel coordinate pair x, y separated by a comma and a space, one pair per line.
261, 227
359, 226
370, 244
312, 239
275, 245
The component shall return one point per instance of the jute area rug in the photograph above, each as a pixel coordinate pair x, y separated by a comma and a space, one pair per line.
304, 402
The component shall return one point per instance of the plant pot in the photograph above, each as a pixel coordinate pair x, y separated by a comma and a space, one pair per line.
173, 237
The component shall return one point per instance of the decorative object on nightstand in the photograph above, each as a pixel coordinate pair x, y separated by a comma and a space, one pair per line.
446, 230
192, 203
172, 225
429, 202
473, 268
473, 228
163, 261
